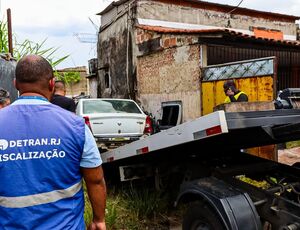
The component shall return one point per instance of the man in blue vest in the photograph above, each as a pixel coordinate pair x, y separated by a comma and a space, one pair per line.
45, 151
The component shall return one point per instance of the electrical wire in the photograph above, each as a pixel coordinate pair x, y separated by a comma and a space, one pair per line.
237, 6
229, 12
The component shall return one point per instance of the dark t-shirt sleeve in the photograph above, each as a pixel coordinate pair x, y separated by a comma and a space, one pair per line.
64, 102
72, 106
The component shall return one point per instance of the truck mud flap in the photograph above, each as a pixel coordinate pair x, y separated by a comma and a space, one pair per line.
234, 208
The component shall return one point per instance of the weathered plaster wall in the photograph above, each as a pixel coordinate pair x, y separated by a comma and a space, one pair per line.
112, 56
174, 13
93, 87
171, 74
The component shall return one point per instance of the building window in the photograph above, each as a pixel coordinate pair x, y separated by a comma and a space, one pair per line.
107, 80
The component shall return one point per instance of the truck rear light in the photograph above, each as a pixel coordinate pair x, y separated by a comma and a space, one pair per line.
148, 126
213, 130
142, 150
87, 122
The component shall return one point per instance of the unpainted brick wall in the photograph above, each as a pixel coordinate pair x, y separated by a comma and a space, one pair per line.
173, 71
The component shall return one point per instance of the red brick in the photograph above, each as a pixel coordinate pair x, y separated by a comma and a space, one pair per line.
172, 42
166, 43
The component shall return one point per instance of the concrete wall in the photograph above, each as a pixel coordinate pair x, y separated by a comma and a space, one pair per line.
183, 14
172, 74
93, 87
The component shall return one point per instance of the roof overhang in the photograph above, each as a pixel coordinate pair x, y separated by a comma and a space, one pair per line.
218, 33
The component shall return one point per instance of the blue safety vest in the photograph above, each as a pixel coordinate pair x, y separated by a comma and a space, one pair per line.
40, 152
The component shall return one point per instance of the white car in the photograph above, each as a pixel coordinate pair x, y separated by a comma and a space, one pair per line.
114, 122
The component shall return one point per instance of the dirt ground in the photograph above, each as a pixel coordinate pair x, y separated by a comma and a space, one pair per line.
289, 156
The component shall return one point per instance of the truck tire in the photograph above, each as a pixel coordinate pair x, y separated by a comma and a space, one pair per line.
199, 216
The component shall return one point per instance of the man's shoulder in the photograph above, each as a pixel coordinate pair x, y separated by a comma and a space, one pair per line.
60, 98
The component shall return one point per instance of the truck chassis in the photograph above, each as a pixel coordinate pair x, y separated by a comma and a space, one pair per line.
205, 164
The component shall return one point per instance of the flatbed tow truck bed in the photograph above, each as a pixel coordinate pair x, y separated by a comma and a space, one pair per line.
204, 162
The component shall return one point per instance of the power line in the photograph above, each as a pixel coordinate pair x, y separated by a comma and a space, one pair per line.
229, 12
237, 6
94, 24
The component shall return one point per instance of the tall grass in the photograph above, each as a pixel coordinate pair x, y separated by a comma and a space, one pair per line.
133, 209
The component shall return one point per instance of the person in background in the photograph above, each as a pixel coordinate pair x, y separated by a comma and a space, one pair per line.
232, 93
4, 98
59, 97
46, 151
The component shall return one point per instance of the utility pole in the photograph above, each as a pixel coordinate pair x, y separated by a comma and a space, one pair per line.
9, 30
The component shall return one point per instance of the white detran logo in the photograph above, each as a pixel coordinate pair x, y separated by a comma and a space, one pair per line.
3, 144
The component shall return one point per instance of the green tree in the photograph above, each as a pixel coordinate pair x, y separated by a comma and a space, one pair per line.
69, 77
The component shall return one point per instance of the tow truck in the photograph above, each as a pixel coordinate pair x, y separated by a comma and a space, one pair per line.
205, 163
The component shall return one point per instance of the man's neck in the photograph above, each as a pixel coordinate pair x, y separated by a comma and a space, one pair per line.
34, 94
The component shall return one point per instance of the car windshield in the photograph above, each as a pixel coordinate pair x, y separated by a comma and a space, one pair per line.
109, 106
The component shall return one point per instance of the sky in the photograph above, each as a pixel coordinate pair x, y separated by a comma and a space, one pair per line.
58, 21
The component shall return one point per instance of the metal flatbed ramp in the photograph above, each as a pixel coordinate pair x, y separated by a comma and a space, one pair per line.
218, 131
239, 120
201, 128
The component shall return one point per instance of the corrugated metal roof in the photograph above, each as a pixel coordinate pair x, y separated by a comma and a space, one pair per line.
215, 32
216, 6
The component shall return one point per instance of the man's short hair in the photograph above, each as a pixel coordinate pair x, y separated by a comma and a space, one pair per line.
229, 84
33, 68
59, 84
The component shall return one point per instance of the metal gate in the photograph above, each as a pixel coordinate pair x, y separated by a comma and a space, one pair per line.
255, 77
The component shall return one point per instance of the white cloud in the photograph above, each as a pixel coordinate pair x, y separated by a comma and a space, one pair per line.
57, 21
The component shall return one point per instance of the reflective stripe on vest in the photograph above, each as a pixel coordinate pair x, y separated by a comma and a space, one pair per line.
42, 198
227, 99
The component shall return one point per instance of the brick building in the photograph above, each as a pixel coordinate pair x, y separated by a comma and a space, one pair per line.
153, 51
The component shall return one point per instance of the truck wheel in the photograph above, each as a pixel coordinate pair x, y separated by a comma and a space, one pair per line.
199, 216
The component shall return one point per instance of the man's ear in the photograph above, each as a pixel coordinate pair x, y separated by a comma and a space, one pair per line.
16, 84
51, 84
